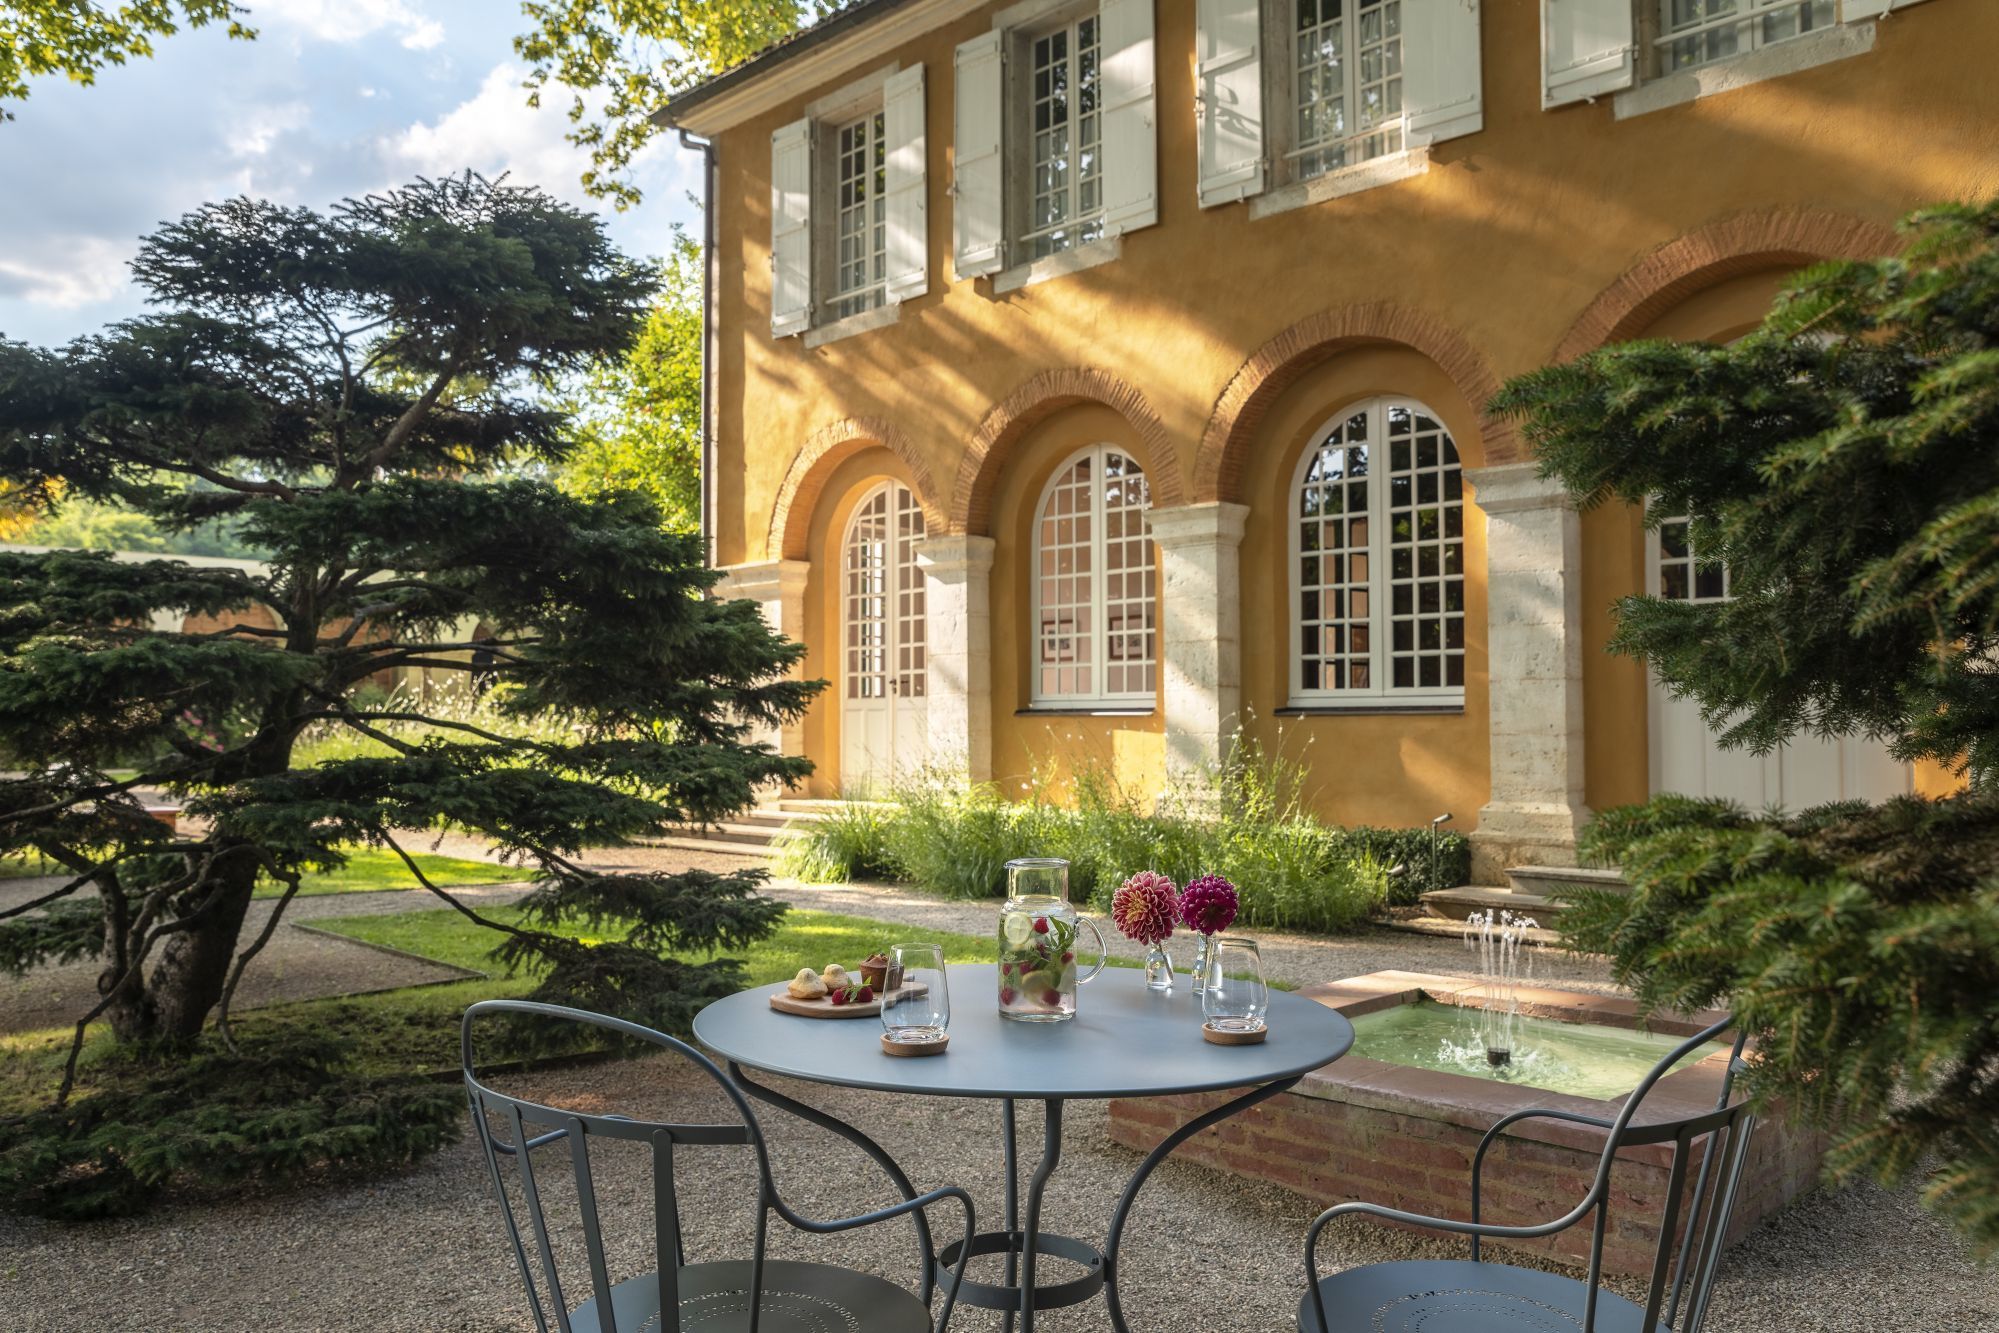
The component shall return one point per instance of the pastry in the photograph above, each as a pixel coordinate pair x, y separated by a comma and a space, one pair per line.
806, 986
835, 977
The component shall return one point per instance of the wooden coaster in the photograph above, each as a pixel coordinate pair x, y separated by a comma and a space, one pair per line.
914, 1048
1233, 1038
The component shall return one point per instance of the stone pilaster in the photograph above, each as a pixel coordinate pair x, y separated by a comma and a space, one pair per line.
958, 637
1200, 632
1534, 639
778, 587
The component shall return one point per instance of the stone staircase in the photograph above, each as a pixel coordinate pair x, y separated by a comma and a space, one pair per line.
751, 833
1529, 891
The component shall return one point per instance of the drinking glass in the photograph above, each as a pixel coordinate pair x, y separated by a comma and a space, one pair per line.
921, 1010
1236, 997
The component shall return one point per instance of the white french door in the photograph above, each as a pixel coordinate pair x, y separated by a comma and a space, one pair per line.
884, 727
1687, 758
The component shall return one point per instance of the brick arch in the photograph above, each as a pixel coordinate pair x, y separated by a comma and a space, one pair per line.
1729, 248
1040, 398
824, 450
1279, 363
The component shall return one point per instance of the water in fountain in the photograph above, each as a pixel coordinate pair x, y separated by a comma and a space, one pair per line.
1502, 963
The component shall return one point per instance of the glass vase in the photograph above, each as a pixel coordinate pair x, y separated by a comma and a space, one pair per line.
1200, 972
1158, 968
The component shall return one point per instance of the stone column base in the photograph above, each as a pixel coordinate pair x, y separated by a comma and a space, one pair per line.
1523, 834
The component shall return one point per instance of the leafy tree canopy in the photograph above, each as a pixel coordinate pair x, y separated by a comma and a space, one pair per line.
635, 423
620, 63
1843, 463
354, 391
77, 40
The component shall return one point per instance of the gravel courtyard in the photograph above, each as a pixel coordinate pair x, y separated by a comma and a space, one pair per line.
1205, 1253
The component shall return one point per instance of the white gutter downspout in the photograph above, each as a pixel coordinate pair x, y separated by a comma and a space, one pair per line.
709, 337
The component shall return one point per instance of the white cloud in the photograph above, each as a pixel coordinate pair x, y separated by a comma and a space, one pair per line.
253, 132
351, 20
494, 131
68, 273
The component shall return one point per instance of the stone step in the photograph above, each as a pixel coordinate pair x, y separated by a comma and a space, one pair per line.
1552, 881
756, 834
683, 843
1461, 903
817, 805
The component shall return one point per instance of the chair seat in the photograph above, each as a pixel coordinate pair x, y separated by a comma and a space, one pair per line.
1458, 1296
797, 1298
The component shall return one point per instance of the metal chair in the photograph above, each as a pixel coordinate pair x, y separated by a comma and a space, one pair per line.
774, 1295
1456, 1296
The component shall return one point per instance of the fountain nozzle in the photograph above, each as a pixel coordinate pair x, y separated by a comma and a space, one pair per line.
1498, 1057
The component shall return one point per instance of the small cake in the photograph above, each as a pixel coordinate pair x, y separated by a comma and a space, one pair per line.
806, 986
879, 972
835, 977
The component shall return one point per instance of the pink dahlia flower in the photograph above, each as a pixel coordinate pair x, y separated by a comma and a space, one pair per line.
1144, 907
1208, 905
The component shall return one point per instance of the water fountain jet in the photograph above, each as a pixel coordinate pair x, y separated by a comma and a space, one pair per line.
1498, 939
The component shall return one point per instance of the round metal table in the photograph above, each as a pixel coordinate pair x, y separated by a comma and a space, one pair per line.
1125, 1041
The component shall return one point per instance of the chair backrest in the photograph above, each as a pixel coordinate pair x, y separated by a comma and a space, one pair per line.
1713, 1145
526, 1127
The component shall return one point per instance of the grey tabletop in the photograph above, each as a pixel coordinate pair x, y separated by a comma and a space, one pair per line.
1125, 1041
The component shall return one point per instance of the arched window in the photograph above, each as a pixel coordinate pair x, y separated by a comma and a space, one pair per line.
1095, 590
1378, 561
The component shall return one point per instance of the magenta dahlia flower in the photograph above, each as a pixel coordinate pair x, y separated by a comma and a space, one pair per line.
1144, 907
1208, 904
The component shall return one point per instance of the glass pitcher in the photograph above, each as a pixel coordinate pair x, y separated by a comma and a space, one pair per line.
1037, 943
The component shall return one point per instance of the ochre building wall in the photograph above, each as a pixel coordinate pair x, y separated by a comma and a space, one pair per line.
1216, 343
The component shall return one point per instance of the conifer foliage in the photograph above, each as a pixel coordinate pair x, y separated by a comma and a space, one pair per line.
1843, 463
354, 392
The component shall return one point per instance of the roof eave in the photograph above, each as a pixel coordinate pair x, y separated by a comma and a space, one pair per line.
818, 55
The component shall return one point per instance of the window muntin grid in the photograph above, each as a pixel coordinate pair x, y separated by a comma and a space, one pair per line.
1700, 32
1377, 539
883, 591
1096, 590
860, 218
1683, 575
1065, 202
1346, 84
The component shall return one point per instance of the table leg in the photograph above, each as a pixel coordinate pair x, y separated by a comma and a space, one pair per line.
1051, 1157
867, 1145
1179, 1136
1012, 1223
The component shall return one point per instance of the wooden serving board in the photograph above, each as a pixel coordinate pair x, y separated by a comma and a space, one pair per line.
784, 1004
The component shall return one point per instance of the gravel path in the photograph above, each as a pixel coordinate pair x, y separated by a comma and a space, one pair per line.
1205, 1253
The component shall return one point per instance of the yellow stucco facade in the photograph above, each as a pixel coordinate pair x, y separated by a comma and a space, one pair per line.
1215, 348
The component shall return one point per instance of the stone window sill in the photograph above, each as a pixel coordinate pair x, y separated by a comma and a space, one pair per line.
853, 325
1771, 62
1373, 709
1102, 710
1347, 180
1058, 265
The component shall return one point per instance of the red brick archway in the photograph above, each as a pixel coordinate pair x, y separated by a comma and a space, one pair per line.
1278, 364
1729, 248
1041, 397
824, 450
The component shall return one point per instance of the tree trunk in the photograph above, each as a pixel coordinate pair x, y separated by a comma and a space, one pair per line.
130, 1013
193, 966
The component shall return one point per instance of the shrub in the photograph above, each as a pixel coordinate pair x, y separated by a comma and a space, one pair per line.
1427, 861
952, 841
282, 1109
849, 842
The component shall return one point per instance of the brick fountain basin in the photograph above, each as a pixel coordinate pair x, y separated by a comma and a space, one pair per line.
1392, 1134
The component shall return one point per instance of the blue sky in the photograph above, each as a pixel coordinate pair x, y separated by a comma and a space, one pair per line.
334, 98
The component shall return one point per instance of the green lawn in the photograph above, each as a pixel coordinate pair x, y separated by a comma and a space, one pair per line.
373, 870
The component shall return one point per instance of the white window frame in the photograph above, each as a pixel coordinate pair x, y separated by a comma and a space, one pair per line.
1380, 692
1747, 16
1281, 98
1099, 633
1018, 111
874, 294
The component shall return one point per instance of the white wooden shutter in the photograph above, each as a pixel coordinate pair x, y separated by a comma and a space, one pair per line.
1854, 11
791, 229
903, 198
1588, 48
1228, 92
1130, 134
977, 206
1441, 93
